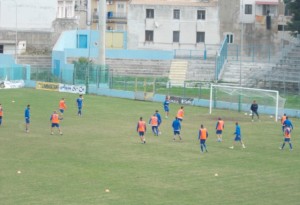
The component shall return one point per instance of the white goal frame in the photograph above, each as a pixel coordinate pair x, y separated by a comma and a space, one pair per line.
244, 88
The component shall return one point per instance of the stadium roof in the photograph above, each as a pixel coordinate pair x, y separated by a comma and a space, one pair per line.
203, 3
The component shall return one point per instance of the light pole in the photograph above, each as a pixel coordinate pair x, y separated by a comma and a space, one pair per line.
242, 40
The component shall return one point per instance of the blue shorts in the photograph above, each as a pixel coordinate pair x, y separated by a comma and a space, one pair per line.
238, 138
141, 134
166, 109
61, 110
202, 141
27, 120
287, 139
55, 125
79, 108
177, 132
219, 132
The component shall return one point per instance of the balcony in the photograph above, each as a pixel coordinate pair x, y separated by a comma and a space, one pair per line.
116, 15
112, 17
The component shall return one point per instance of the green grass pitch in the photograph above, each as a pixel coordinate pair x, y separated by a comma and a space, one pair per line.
101, 150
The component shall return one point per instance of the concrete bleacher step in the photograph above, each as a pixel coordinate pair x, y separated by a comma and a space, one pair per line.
36, 61
246, 73
129, 67
178, 70
201, 70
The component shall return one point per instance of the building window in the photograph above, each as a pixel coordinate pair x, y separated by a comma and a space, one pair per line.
176, 35
1, 48
229, 37
176, 14
95, 16
248, 9
149, 36
200, 37
149, 13
201, 14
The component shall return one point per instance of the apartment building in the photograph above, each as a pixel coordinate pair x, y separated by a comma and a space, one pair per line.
177, 24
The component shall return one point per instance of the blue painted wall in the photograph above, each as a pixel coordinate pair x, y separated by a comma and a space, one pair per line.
12, 71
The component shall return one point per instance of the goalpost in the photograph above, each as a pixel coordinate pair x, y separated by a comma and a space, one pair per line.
241, 98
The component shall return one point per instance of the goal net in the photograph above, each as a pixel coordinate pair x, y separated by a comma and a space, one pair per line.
241, 98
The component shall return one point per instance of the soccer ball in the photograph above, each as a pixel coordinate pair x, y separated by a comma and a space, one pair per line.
246, 113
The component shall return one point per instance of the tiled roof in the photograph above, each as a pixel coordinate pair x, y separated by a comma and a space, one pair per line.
203, 3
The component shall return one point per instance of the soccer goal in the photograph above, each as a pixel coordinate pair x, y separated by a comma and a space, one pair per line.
241, 98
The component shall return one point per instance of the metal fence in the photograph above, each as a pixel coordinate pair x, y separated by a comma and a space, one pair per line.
13, 73
160, 85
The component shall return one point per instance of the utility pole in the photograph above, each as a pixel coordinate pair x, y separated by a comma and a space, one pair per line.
241, 51
242, 39
89, 14
102, 28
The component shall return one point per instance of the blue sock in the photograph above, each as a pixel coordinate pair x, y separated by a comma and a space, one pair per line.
282, 145
291, 147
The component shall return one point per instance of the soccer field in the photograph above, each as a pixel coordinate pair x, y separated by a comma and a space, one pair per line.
99, 158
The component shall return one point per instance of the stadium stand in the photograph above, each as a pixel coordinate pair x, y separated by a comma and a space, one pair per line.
35, 61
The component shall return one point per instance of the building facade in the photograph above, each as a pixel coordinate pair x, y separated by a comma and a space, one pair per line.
24, 23
167, 25
253, 21
27, 15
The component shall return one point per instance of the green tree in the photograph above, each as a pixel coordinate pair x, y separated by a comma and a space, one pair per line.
294, 7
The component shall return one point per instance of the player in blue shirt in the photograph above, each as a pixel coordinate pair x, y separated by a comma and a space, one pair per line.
238, 136
288, 123
166, 106
176, 128
27, 118
79, 102
159, 121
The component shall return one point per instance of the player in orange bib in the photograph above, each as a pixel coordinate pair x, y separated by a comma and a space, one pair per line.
219, 129
141, 129
54, 119
283, 118
1, 114
180, 114
154, 124
287, 138
62, 106
203, 135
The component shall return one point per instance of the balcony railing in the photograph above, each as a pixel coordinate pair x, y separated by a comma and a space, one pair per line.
116, 15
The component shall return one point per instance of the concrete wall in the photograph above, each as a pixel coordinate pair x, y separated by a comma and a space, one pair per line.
27, 15
163, 26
